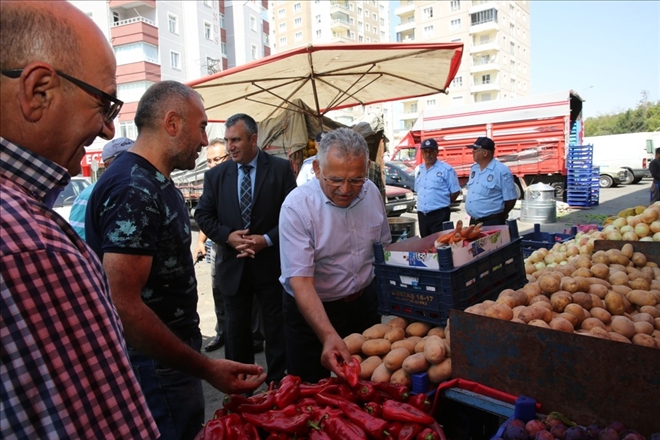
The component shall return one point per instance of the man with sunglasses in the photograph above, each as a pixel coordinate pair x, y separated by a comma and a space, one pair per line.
65, 368
328, 227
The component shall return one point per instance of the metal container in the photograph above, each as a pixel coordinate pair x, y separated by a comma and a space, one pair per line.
539, 204
401, 228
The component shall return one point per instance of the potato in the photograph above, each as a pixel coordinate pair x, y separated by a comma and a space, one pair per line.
518, 320
619, 338
415, 363
590, 323
569, 285
577, 311
394, 359
419, 347
531, 290
644, 340
376, 331
594, 280
561, 324
619, 278
398, 321
601, 271
538, 323
434, 349
639, 284
368, 366
500, 311
408, 343
638, 259
598, 289
582, 261
623, 326
621, 290
584, 299
653, 311
600, 333
570, 318
559, 301
600, 257
656, 323
506, 300
437, 331
533, 312
544, 304
643, 327
376, 347
440, 372
357, 357
641, 298
516, 311
627, 250
542, 298
642, 316
447, 347
395, 334
354, 342
400, 377
548, 283
418, 329
381, 374
614, 303
601, 314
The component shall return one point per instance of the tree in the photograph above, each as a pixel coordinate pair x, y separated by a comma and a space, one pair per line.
645, 117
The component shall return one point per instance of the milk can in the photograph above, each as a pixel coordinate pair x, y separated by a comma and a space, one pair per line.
539, 205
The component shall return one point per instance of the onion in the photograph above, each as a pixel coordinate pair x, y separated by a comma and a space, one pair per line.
642, 230
548, 259
620, 221
655, 226
647, 238
656, 236
630, 236
598, 235
590, 243
613, 235
649, 215
626, 228
540, 265
633, 220
609, 228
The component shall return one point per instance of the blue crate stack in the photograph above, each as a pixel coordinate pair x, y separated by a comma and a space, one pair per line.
580, 178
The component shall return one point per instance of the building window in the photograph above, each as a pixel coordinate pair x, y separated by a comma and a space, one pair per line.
297, 7
455, 5
430, 102
351, 35
318, 19
512, 66
281, 13
513, 84
222, 21
173, 23
132, 91
318, 33
115, 16
283, 41
368, 40
350, 6
374, 17
128, 129
457, 81
359, 10
175, 60
366, 13
455, 25
428, 31
456, 40
253, 52
360, 39
413, 108
485, 79
428, 12
375, 30
212, 65
298, 36
382, 22
282, 27
297, 22
253, 23
135, 53
484, 17
208, 3
208, 34
366, 27
512, 48
223, 48
485, 97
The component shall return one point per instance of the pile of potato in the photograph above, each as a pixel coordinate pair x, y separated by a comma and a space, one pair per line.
394, 351
612, 294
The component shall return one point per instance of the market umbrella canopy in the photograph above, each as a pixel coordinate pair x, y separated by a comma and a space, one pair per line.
330, 77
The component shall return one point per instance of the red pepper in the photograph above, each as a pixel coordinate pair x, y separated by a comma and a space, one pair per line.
352, 371
342, 429
233, 426
307, 390
344, 391
318, 435
331, 380
220, 413
421, 401
232, 401
292, 424
394, 428
366, 392
288, 391
251, 432
373, 408
278, 436
409, 431
403, 412
396, 392
319, 414
267, 403
372, 425
214, 430
428, 434
330, 400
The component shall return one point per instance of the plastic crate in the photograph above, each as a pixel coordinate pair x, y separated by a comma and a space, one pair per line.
537, 239
428, 296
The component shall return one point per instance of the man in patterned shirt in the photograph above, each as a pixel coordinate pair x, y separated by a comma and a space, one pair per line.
64, 365
138, 224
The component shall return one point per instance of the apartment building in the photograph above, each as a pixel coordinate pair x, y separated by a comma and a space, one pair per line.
496, 58
296, 23
178, 40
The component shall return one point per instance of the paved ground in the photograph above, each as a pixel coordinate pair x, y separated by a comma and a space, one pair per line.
612, 200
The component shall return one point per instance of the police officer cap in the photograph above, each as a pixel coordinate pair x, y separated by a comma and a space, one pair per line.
114, 147
483, 142
430, 143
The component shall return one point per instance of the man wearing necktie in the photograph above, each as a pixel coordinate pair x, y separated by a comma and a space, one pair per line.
239, 210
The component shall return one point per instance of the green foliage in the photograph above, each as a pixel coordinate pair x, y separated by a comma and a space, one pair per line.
645, 117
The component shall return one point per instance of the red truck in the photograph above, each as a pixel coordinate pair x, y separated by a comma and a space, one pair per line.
531, 136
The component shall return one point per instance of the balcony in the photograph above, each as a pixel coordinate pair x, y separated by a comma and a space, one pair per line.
134, 30
405, 7
339, 6
338, 23
342, 39
481, 5
492, 86
484, 27
489, 46
407, 37
405, 27
130, 4
484, 65
140, 71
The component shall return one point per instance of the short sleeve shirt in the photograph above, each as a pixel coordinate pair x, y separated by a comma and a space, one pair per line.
135, 209
434, 186
488, 189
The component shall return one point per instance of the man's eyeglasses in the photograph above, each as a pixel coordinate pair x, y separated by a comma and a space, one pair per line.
217, 159
336, 182
111, 105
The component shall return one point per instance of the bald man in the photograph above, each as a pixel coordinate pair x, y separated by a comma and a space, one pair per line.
65, 368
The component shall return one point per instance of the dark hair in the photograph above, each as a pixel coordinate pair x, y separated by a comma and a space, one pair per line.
250, 124
30, 34
160, 98
657, 150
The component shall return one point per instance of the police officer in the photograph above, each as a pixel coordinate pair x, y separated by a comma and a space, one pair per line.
491, 190
437, 188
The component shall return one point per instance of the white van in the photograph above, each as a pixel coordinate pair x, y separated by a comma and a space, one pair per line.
632, 151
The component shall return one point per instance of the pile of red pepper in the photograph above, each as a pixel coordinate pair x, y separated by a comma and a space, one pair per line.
332, 409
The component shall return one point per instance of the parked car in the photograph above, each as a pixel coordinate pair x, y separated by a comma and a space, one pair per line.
65, 200
612, 176
400, 174
398, 200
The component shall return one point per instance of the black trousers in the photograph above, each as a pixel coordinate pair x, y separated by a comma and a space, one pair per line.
432, 221
303, 346
491, 220
239, 343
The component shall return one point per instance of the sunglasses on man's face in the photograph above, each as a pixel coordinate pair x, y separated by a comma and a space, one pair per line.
111, 105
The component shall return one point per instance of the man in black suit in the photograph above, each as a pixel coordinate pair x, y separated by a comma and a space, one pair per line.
239, 210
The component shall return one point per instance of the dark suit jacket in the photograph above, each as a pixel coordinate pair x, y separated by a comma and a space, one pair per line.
218, 214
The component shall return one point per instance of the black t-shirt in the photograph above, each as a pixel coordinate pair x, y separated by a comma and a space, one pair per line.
135, 209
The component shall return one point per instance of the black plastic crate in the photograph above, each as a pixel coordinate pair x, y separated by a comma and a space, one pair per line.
428, 295
537, 239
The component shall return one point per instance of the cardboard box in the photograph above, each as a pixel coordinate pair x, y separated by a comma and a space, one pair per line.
420, 253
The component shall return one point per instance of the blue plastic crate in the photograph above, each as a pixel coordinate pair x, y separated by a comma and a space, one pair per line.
537, 239
425, 295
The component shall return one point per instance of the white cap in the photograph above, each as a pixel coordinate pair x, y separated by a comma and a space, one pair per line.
115, 146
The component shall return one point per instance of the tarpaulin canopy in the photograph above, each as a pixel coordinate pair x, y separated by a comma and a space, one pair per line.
330, 77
